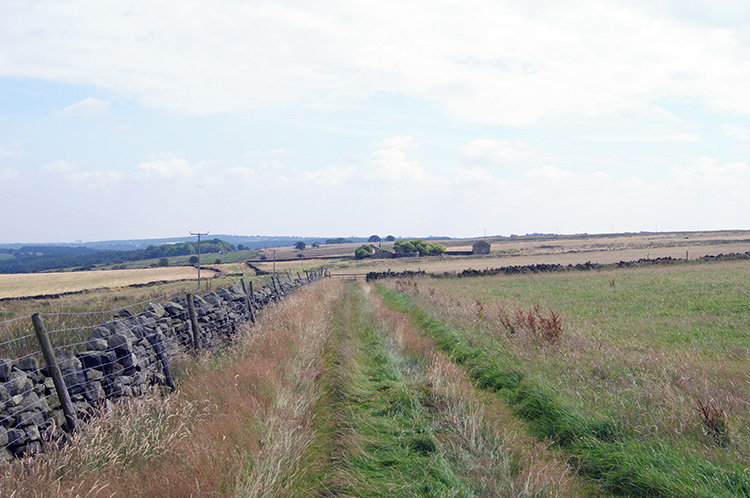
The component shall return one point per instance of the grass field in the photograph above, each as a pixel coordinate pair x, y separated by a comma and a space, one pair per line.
533, 250
565, 384
619, 381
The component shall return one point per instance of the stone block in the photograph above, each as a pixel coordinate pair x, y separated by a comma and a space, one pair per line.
5, 367
97, 344
16, 437
18, 383
94, 375
28, 364
100, 333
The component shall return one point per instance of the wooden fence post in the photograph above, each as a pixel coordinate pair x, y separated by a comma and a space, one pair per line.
249, 300
194, 323
155, 341
71, 420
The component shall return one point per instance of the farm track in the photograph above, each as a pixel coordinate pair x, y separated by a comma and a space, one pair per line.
402, 420
331, 394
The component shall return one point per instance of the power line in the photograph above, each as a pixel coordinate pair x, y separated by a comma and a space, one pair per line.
199, 255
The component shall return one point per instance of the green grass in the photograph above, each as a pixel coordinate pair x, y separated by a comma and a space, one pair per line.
560, 400
388, 436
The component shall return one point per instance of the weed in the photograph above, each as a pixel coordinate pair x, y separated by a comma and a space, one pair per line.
715, 420
547, 329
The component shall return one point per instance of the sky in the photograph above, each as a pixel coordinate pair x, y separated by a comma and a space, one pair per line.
141, 119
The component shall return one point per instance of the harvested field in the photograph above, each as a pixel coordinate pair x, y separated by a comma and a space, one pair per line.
33, 284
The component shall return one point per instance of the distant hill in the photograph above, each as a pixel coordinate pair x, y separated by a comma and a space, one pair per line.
248, 241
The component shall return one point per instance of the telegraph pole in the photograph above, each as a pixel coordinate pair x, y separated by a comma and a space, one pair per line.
199, 255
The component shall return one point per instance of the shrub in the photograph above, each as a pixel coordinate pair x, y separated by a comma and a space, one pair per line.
362, 252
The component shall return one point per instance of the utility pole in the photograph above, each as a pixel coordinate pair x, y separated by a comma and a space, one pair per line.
199, 255
274, 262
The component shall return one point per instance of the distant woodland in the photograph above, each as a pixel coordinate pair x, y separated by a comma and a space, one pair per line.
36, 258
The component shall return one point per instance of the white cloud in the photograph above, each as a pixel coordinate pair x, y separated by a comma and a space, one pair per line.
166, 166
329, 176
552, 174
391, 164
232, 176
8, 174
495, 63
88, 107
399, 143
485, 151
737, 133
73, 175
708, 173
477, 178
12, 150
273, 164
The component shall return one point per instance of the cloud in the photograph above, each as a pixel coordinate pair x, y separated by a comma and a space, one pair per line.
399, 143
330, 176
166, 166
73, 175
477, 178
232, 176
708, 173
498, 63
736, 133
12, 150
8, 174
88, 107
484, 151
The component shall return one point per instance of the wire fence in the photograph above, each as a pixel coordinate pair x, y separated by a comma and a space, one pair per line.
105, 355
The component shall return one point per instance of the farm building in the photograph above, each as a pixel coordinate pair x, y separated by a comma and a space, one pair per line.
480, 247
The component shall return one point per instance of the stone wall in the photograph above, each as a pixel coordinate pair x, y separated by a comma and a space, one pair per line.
117, 359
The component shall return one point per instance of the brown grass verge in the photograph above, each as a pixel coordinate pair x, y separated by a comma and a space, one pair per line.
238, 426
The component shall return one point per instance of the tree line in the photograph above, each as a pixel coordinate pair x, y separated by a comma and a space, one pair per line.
30, 259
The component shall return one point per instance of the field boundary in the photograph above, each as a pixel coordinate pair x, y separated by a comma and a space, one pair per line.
555, 267
92, 359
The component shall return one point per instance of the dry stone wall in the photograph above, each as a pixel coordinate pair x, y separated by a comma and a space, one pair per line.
126, 356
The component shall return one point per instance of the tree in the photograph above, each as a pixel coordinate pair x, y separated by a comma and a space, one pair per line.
420, 246
193, 260
316, 244
240, 247
363, 252
374, 238
390, 238
300, 245
163, 262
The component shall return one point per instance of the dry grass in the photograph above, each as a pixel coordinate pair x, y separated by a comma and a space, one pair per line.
34, 284
238, 426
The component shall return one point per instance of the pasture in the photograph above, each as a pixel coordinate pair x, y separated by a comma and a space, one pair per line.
526, 250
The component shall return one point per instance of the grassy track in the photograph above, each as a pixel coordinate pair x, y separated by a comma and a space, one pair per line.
617, 395
331, 394
402, 421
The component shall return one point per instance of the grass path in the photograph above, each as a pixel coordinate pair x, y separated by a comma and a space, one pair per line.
331, 394
402, 420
